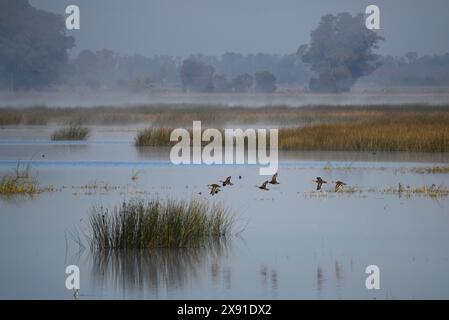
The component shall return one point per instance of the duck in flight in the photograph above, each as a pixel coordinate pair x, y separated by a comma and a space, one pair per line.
214, 188
339, 185
264, 186
274, 179
227, 182
319, 182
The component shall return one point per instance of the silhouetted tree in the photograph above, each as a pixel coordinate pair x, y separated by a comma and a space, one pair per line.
340, 52
221, 83
197, 76
265, 81
243, 83
33, 46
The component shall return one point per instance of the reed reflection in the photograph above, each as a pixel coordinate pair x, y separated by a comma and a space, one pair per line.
155, 269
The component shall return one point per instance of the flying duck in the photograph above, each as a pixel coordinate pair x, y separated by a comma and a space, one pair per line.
319, 182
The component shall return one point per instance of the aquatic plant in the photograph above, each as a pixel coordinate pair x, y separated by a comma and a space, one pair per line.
72, 132
158, 224
20, 182
368, 136
432, 191
155, 137
432, 170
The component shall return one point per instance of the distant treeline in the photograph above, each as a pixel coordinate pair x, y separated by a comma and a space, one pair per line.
232, 72
34, 54
412, 70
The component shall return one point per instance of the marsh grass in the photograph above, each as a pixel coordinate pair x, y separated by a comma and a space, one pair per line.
160, 137
72, 132
158, 224
421, 128
154, 137
368, 136
169, 115
20, 182
10, 185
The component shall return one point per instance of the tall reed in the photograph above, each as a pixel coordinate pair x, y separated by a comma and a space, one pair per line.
158, 224
72, 132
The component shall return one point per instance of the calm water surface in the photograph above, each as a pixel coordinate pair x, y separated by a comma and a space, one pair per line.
296, 243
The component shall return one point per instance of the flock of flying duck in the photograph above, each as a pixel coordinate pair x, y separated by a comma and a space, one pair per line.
215, 188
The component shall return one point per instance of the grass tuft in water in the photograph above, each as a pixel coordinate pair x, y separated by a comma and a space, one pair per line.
72, 132
139, 224
154, 137
20, 182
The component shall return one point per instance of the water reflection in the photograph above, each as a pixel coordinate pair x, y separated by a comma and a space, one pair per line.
319, 279
338, 273
269, 274
157, 269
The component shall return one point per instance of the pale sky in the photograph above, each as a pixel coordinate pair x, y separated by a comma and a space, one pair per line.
213, 27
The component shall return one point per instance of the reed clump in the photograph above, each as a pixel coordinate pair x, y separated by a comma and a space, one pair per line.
72, 132
139, 224
160, 137
21, 182
10, 185
154, 137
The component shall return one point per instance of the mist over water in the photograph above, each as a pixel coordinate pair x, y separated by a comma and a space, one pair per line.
120, 99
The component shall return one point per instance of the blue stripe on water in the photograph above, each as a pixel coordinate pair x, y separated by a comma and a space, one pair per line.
8, 142
166, 163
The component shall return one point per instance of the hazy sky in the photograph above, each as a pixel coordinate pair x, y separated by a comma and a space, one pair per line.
183, 27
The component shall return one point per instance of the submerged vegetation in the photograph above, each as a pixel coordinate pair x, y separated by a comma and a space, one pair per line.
72, 132
158, 224
432, 191
432, 170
